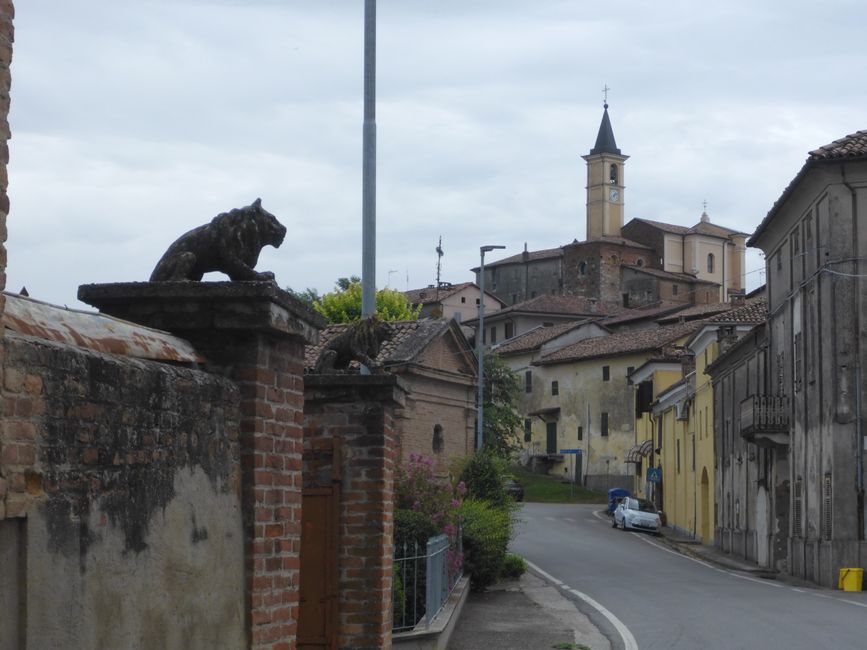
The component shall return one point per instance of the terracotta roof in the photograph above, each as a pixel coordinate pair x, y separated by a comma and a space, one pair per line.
430, 295
406, 340
660, 340
753, 311
531, 257
668, 275
646, 313
697, 311
566, 305
853, 145
536, 338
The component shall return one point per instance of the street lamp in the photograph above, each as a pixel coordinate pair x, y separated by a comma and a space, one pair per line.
480, 347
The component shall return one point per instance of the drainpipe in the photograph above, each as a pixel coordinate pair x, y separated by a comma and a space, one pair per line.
859, 436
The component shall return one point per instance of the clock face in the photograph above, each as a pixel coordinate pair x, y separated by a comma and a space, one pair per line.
614, 194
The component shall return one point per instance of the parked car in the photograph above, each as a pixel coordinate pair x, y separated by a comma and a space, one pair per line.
637, 514
515, 489
615, 496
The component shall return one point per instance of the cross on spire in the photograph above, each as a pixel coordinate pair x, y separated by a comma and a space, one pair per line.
605, 94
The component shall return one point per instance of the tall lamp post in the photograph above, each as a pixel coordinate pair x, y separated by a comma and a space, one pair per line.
480, 347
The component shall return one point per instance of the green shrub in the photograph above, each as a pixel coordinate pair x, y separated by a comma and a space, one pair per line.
485, 476
486, 532
513, 567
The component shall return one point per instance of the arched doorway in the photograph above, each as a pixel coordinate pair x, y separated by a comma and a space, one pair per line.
706, 507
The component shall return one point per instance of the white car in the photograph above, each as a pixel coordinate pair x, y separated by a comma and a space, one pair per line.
637, 514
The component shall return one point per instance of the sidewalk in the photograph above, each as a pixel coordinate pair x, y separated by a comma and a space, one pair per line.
524, 614
693, 548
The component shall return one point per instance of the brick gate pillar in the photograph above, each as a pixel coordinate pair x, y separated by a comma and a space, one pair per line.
254, 333
358, 411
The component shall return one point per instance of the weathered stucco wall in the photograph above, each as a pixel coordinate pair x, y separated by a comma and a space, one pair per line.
126, 473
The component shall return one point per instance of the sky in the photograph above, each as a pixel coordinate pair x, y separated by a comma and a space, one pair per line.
134, 121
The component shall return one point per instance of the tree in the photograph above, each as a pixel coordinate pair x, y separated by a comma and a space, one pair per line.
309, 295
502, 420
343, 305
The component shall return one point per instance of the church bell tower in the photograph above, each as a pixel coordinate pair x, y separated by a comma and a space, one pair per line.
604, 184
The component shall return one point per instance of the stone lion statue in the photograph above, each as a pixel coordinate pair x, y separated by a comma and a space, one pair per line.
231, 244
360, 342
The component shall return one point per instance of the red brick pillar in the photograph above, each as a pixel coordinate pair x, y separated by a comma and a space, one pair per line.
254, 333
359, 413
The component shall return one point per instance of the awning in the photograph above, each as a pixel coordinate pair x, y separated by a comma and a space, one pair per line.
635, 454
553, 412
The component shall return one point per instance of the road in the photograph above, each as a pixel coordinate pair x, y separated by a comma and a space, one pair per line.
669, 601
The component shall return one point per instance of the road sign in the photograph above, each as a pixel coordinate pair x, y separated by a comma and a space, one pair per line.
654, 475
571, 451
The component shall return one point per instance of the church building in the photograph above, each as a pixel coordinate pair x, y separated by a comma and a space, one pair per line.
641, 264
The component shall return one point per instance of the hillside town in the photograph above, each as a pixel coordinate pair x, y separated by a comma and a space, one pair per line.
198, 463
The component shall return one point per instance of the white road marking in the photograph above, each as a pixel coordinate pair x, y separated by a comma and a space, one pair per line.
552, 518
758, 580
851, 602
629, 642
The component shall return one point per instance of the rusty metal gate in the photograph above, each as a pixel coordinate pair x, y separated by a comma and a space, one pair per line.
317, 617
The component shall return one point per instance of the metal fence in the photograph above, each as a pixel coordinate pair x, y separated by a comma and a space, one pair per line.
424, 576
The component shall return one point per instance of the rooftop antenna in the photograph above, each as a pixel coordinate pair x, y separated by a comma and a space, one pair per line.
439, 264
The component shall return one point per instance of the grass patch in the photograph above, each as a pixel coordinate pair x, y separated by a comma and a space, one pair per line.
550, 489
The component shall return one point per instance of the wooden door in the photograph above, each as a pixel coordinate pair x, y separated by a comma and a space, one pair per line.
320, 500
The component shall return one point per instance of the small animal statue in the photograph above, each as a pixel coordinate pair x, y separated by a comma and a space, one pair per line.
231, 244
360, 342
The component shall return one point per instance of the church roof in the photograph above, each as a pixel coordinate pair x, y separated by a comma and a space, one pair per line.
605, 138
668, 275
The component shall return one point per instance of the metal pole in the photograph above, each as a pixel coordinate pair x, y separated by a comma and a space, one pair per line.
480, 349
368, 191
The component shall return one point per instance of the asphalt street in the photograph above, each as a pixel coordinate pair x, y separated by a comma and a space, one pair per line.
643, 594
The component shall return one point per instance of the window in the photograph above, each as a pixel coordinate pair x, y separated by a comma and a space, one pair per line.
478, 301
677, 443
606, 373
528, 430
659, 434
612, 174
625, 299
510, 330
582, 268
438, 442
580, 433
463, 299
551, 437
710, 262
629, 371
555, 388
674, 290
528, 381
494, 334
604, 424
639, 262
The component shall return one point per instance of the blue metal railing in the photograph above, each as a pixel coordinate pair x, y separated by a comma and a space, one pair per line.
423, 580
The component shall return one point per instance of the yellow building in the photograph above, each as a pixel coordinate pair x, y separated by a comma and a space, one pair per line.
680, 421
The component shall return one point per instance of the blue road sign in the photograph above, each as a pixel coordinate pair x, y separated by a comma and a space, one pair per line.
571, 451
654, 475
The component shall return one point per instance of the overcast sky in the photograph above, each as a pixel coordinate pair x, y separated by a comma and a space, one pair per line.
134, 121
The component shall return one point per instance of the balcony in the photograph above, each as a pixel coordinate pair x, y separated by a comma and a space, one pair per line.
765, 420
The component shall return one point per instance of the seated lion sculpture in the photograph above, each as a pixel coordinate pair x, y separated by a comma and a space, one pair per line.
231, 244
360, 342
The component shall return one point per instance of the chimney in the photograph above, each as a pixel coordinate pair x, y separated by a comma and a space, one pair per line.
525, 255
726, 336
737, 298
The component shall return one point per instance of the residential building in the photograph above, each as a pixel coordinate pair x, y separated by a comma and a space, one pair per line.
457, 301
579, 397
438, 367
681, 416
808, 409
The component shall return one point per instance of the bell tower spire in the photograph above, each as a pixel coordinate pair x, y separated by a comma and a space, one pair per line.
604, 182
